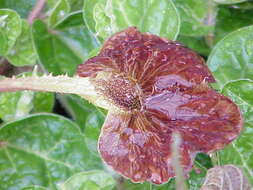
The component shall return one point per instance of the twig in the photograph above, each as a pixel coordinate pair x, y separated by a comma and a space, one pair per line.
36, 11
210, 21
180, 180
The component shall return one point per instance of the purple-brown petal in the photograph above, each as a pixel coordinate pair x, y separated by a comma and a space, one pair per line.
144, 57
137, 150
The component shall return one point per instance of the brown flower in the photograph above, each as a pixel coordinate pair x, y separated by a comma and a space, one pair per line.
157, 87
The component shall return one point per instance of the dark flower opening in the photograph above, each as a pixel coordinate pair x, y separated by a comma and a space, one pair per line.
121, 91
161, 87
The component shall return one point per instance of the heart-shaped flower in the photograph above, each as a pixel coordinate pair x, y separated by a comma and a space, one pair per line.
153, 88
160, 87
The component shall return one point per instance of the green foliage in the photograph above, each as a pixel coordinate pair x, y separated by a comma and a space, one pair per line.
23, 7
94, 180
42, 149
60, 10
23, 52
47, 151
240, 151
10, 29
194, 17
232, 57
107, 17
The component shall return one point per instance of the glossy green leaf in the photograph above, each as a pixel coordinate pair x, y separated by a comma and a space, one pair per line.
23, 7
230, 19
197, 16
23, 53
15, 105
10, 28
42, 150
75, 34
229, 1
240, 91
88, 11
91, 180
239, 152
232, 57
61, 9
62, 51
54, 55
157, 17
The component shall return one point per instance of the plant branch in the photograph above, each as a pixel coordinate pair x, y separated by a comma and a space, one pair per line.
36, 11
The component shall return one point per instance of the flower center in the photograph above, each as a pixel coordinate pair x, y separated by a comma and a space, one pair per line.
120, 91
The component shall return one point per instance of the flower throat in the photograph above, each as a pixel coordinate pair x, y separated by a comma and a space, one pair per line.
120, 91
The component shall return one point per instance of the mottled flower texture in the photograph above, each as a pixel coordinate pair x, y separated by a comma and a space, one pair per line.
160, 87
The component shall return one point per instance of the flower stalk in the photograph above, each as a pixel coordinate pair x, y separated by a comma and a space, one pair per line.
82, 86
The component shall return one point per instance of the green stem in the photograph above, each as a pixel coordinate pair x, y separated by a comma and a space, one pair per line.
81, 86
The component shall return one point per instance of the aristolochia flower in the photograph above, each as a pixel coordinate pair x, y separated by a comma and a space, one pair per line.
152, 88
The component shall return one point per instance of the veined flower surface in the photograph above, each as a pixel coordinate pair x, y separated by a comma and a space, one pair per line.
159, 87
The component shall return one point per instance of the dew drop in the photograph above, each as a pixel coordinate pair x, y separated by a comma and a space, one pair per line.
61, 13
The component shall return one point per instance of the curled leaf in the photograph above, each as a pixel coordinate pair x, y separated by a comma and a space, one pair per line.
227, 177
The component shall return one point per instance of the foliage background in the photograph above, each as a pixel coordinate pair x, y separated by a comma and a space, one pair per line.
48, 141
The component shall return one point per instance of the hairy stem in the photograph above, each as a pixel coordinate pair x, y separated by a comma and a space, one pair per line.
83, 87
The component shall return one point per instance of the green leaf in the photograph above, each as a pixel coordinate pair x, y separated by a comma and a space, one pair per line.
232, 57
61, 9
239, 152
157, 17
10, 28
23, 7
54, 55
61, 51
229, 1
15, 105
240, 91
44, 150
230, 19
195, 16
75, 34
23, 52
91, 180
